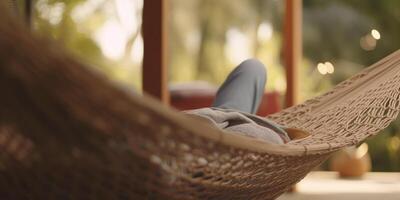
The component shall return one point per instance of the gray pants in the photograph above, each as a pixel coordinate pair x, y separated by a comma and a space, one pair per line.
244, 87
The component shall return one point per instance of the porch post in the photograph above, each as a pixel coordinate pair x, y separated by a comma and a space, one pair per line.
155, 36
292, 49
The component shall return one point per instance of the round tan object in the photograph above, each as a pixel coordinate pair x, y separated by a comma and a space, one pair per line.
352, 162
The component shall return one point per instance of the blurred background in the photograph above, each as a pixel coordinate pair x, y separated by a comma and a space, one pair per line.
208, 38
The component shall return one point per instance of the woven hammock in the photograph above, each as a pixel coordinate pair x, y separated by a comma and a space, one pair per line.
68, 133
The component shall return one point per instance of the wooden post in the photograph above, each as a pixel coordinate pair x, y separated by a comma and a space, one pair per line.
28, 12
292, 48
155, 38
292, 51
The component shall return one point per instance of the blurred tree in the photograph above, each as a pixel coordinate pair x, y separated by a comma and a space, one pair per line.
199, 35
332, 31
75, 23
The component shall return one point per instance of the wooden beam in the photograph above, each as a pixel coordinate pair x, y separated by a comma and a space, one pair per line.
292, 48
155, 38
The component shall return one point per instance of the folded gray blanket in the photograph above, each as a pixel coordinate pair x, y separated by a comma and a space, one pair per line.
245, 124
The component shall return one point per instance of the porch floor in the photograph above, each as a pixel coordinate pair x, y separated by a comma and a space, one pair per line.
328, 186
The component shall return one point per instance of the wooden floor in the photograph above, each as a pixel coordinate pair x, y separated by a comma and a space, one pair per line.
327, 186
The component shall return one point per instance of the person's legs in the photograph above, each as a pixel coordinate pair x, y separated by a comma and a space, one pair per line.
244, 87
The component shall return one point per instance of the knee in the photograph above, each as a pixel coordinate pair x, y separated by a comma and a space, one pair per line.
253, 67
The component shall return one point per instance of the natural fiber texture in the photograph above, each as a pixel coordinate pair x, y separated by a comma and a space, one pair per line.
67, 133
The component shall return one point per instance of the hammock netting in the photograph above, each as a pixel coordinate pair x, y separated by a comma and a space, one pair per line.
68, 133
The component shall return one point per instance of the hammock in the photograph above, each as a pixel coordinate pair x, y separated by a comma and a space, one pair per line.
67, 133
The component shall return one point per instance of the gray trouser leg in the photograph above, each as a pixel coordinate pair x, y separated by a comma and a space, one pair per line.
244, 87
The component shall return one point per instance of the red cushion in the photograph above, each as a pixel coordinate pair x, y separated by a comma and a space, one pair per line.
186, 100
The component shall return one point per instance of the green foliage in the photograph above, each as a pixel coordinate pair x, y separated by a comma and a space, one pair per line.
332, 31
78, 38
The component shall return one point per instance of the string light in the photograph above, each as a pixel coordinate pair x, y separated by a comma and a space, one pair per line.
329, 68
375, 34
369, 41
325, 68
322, 68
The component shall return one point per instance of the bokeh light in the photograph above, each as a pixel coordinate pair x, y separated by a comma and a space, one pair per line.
325, 68
375, 33
368, 42
329, 68
322, 68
